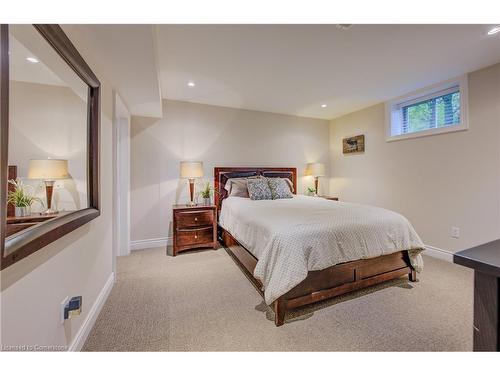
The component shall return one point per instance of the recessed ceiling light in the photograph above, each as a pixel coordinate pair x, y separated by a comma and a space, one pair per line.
191, 84
323, 105
494, 31
32, 60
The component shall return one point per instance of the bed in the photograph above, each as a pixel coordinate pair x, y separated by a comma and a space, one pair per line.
303, 250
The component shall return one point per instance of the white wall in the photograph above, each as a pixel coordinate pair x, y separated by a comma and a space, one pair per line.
437, 181
80, 263
121, 149
50, 121
218, 136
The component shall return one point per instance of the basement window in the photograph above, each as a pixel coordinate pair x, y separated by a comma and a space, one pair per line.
436, 110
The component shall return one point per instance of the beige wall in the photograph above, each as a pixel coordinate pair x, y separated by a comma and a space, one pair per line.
49, 121
217, 136
80, 263
437, 181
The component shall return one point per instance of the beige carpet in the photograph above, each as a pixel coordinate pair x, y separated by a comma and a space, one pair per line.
201, 301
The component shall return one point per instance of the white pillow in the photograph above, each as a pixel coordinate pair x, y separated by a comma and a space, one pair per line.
237, 187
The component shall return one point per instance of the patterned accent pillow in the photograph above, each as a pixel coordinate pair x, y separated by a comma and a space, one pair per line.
237, 187
289, 182
258, 189
280, 188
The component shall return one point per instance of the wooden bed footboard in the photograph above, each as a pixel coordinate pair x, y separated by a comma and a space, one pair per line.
324, 284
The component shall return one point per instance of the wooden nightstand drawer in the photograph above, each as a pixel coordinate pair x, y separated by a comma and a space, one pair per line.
194, 227
187, 237
194, 218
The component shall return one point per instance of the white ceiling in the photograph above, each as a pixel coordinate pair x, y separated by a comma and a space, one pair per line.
290, 69
126, 56
51, 69
22, 70
293, 69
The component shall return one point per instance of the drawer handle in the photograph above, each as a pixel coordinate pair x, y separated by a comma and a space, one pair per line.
195, 236
195, 219
191, 231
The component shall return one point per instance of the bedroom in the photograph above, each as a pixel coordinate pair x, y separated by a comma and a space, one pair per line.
251, 187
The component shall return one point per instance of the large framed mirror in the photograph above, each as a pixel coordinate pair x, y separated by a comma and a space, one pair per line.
49, 113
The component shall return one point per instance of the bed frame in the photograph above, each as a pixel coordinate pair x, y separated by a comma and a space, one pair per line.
318, 285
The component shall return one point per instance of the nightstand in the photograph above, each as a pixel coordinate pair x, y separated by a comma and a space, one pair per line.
194, 227
330, 198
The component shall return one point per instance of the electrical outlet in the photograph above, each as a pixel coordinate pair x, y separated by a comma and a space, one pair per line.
64, 302
74, 307
455, 232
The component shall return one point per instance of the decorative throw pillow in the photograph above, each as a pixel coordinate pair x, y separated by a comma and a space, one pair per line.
237, 187
258, 189
280, 174
289, 182
280, 188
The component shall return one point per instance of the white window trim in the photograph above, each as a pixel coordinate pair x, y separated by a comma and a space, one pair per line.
392, 109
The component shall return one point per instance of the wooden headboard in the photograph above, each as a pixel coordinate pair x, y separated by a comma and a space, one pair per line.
222, 174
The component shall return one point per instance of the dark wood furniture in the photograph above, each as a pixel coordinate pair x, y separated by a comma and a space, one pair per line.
329, 197
194, 227
18, 223
4, 131
318, 285
16, 247
485, 260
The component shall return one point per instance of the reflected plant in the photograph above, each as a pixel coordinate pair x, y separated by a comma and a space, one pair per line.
19, 197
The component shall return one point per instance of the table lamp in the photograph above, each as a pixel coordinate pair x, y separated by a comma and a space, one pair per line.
317, 170
48, 170
191, 170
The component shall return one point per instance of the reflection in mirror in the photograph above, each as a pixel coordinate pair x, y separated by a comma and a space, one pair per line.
47, 133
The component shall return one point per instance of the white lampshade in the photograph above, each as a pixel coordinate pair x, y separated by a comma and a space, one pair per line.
48, 169
315, 169
191, 169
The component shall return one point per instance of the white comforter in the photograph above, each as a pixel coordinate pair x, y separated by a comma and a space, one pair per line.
290, 237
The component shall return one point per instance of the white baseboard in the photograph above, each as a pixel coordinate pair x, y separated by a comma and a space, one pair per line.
82, 334
438, 253
150, 243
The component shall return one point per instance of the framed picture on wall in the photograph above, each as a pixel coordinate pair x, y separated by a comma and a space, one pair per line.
353, 144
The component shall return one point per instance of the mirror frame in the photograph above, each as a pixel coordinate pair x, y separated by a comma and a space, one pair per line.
26, 242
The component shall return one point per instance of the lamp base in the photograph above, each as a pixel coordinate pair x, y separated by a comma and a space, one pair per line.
49, 190
191, 192
316, 185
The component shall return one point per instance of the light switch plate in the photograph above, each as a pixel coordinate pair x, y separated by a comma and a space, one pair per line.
455, 232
